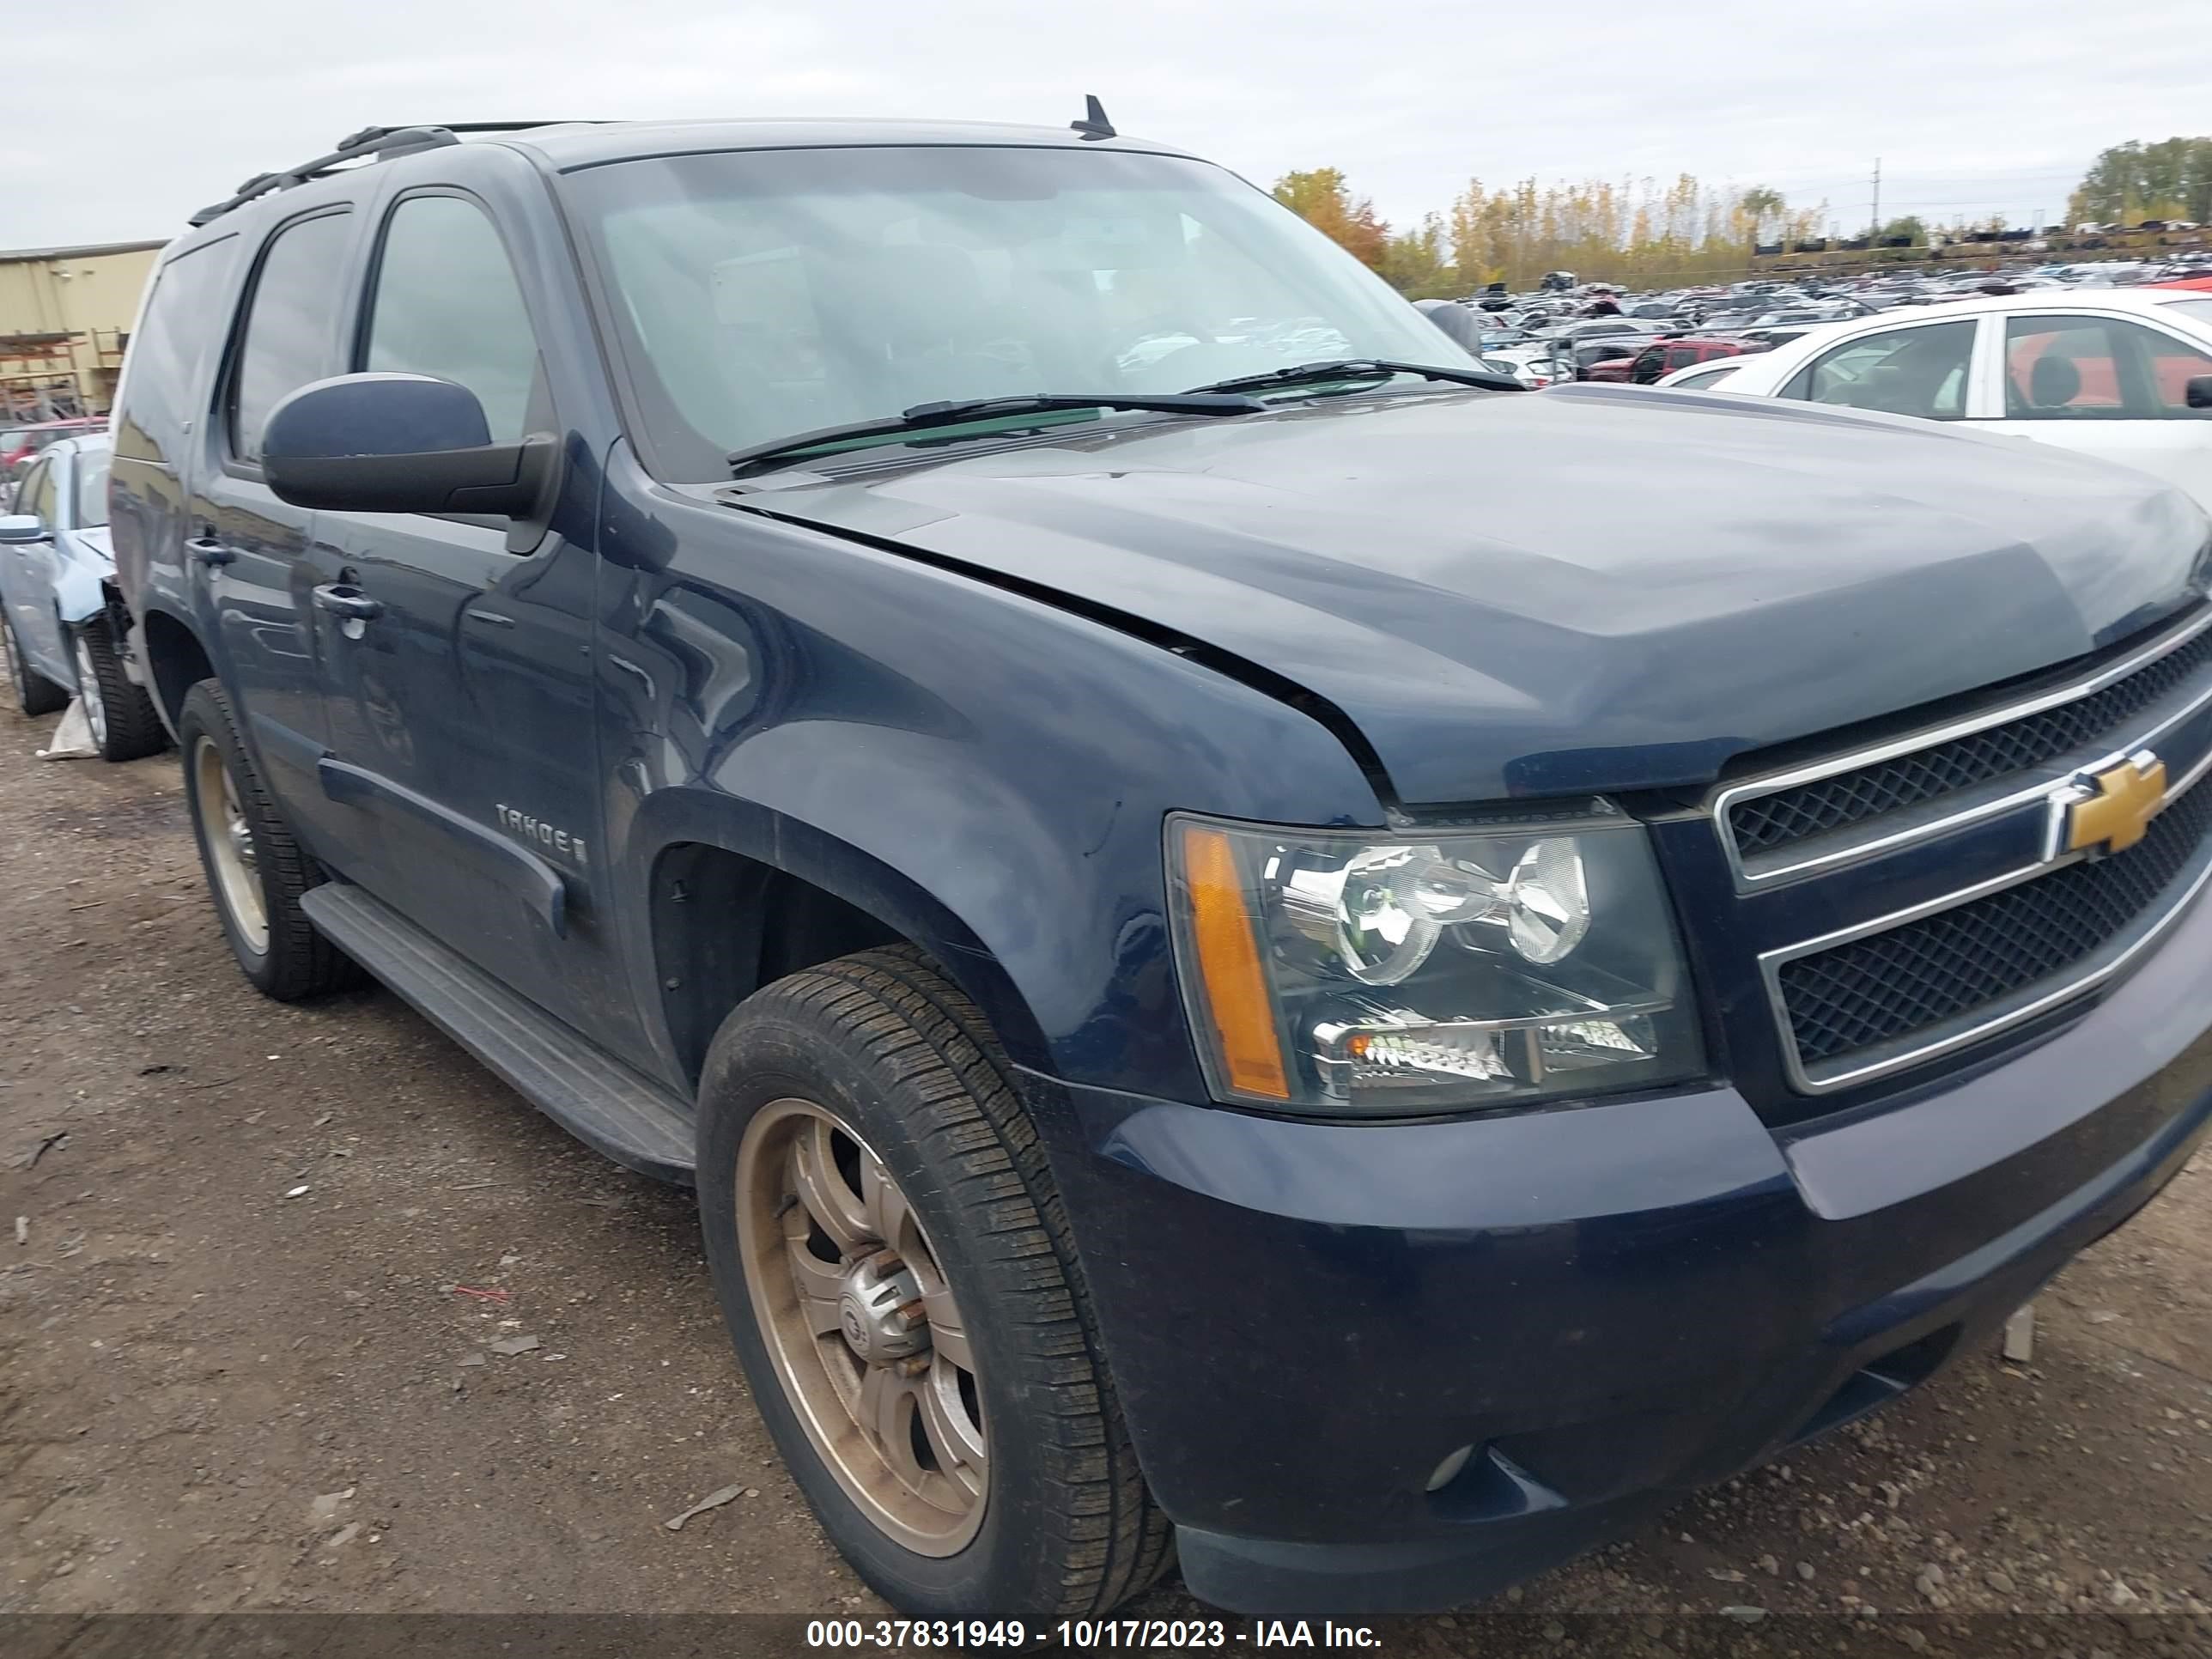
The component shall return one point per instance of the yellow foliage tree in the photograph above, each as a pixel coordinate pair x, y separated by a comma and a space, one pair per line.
1321, 199
1634, 232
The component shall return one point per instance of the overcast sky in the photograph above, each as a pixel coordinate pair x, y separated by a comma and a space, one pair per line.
156, 106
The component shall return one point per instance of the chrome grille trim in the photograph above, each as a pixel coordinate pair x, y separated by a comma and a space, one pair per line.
2023, 1005
1846, 848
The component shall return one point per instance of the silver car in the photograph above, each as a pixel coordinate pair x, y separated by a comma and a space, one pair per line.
58, 605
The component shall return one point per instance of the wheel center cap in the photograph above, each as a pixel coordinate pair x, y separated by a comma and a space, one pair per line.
879, 1310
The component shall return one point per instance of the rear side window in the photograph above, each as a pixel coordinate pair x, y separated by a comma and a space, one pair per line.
162, 370
287, 337
1902, 371
447, 304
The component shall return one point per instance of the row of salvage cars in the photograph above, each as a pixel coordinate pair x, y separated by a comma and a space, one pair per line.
60, 613
2121, 373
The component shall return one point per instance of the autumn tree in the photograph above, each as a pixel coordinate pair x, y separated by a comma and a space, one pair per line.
1416, 263
2128, 183
1762, 203
1322, 199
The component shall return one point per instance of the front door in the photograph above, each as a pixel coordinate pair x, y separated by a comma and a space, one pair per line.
2108, 386
455, 654
28, 582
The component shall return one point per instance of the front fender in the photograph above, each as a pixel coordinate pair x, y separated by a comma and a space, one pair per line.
80, 593
690, 815
981, 770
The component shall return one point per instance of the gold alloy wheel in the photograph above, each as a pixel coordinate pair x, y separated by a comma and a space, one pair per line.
862, 1326
232, 862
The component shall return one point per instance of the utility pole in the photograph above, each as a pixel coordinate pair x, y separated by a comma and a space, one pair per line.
1876, 232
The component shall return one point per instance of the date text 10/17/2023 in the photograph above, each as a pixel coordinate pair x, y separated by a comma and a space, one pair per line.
1135, 1634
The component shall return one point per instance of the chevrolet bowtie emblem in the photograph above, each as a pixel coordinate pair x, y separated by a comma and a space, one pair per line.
2111, 810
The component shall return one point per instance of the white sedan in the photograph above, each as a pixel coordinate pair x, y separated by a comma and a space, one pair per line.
2121, 374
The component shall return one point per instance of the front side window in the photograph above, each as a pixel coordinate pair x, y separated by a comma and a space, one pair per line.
2169, 366
287, 337
91, 488
446, 304
2098, 368
1904, 371
36, 495
760, 294
2061, 368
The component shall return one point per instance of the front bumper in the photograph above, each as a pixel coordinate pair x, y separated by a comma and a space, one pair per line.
1612, 1304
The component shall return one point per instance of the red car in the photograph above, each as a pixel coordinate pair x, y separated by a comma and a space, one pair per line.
19, 442
1643, 362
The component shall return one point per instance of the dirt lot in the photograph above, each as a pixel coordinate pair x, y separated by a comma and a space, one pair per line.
239, 1370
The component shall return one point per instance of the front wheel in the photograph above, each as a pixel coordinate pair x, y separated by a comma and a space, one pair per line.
897, 1274
121, 715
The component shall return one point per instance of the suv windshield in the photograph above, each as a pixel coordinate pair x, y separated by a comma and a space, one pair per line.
763, 293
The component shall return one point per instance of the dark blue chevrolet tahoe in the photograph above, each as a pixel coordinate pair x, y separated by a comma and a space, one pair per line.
1256, 946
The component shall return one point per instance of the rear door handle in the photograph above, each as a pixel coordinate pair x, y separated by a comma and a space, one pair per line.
209, 552
346, 600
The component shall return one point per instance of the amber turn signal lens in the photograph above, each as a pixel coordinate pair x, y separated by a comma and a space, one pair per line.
1235, 984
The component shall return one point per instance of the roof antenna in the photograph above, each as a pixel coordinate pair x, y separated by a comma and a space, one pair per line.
1094, 123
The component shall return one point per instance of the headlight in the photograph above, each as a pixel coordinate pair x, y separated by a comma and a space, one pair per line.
1364, 974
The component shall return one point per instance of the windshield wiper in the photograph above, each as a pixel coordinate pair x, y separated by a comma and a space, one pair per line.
1360, 369
925, 418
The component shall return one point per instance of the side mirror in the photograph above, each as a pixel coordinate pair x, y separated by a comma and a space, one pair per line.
2198, 391
401, 443
29, 527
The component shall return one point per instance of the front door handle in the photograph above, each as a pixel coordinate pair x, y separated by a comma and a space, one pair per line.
346, 600
209, 552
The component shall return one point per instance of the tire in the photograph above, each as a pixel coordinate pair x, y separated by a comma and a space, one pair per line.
34, 694
249, 856
1060, 1524
121, 715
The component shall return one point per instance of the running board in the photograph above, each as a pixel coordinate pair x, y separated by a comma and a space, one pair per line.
600, 1101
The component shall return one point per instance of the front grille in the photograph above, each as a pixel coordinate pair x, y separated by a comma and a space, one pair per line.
1767, 822
1949, 965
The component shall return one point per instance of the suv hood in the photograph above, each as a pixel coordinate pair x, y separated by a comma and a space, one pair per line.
1582, 589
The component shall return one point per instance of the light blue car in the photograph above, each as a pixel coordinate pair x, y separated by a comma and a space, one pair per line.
59, 610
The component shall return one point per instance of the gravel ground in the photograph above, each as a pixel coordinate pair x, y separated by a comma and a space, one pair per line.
251, 1319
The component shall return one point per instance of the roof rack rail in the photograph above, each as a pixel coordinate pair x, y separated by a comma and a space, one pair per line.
369, 143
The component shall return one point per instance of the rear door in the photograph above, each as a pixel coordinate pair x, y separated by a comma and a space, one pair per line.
246, 549
2106, 385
